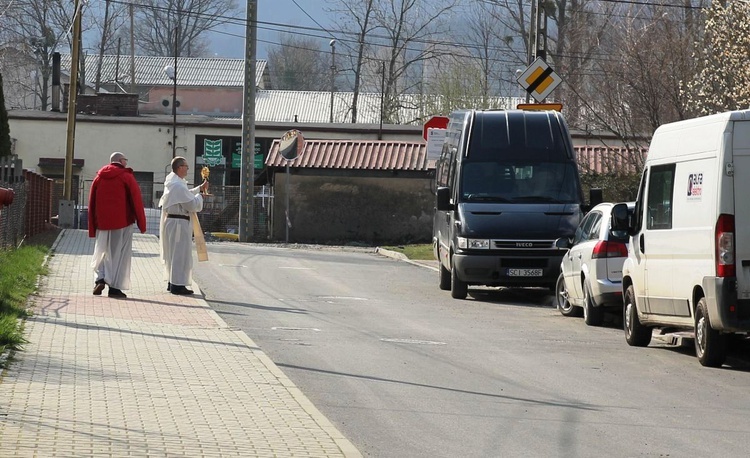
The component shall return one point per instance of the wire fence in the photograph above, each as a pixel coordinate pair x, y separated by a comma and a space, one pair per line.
221, 209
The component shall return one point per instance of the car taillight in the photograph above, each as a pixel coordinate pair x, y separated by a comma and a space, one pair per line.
725, 266
605, 249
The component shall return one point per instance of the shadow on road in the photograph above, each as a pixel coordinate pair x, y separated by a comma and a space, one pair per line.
523, 297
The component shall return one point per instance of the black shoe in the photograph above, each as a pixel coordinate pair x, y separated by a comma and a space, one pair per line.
99, 287
181, 290
169, 286
114, 292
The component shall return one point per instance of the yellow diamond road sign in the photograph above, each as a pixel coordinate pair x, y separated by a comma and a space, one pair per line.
539, 79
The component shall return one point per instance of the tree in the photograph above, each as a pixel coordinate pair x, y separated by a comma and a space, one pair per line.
5, 146
37, 29
480, 61
409, 28
357, 17
722, 82
112, 20
159, 23
297, 64
395, 38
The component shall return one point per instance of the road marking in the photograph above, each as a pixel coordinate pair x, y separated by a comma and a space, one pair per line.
344, 297
285, 328
231, 265
413, 341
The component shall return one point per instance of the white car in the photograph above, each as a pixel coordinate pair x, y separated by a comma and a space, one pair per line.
591, 271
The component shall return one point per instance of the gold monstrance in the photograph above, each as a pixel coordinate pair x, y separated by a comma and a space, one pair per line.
205, 172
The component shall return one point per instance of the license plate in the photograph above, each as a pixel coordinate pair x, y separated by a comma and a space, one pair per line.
524, 272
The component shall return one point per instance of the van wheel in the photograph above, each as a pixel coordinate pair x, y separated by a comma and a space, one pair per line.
636, 334
445, 277
592, 315
459, 289
710, 345
562, 299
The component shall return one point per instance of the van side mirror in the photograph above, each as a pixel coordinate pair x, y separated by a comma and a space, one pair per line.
563, 243
621, 218
444, 199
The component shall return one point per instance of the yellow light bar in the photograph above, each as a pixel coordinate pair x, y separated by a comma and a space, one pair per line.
540, 106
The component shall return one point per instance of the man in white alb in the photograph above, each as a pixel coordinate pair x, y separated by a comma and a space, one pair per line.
176, 230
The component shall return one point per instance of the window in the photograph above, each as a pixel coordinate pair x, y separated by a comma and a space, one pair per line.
596, 227
638, 212
660, 193
584, 229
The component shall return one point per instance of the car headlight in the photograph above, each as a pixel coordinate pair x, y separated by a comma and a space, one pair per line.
473, 244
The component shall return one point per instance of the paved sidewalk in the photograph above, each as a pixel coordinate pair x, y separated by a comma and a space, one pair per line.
151, 375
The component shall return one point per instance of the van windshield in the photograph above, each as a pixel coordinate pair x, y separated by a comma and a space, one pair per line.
538, 182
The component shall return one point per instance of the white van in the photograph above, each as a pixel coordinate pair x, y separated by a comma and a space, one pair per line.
688, 265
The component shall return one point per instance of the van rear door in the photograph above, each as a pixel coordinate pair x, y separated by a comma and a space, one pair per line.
740, 164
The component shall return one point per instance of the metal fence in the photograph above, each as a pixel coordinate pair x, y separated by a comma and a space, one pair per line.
12, 217
221, 209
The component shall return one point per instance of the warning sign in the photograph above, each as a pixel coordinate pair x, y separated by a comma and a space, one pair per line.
539, 80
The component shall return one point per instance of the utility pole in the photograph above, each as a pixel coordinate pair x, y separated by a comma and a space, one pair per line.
531, 45
247, 179
174, 92
333, 74
132, 49
541, 31
537, 45
67, 210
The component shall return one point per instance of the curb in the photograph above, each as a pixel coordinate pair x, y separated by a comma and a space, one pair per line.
403, 257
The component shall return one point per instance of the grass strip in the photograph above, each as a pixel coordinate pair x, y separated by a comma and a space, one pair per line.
421, 252
19, 271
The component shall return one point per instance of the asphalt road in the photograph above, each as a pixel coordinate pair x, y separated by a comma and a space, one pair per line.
403, 370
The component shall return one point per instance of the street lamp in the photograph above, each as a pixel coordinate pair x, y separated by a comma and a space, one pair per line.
171, 71
332, 44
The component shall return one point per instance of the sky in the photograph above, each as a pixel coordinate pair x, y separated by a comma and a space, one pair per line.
230, 40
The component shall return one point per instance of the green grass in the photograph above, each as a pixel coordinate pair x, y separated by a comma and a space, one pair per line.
416, 252
19, 271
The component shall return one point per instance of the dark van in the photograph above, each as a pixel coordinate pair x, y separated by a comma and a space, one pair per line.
507, 186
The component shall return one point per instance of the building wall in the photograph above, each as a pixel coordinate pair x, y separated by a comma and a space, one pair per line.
373, 210
216, 101
147, 140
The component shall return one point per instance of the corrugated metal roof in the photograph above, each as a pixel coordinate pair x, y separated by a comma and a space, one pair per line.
310, 106
610, 159
315, 107
355, 155
149, 71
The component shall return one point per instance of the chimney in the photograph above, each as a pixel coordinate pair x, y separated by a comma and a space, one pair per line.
56, 81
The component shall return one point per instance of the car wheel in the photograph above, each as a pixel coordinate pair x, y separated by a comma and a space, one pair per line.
459, 289
636, 334
710, 345
562, 299
445, 277
592, 315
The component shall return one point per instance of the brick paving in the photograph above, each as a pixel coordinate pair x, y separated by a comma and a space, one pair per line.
151, 375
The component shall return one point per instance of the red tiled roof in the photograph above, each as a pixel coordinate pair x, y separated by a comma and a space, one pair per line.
355, 155
404, 155
610, 159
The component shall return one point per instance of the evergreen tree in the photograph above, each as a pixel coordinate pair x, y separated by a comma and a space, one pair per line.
4, 126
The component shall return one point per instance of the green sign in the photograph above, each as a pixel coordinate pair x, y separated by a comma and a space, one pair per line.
237, 157
237, 161
212, 152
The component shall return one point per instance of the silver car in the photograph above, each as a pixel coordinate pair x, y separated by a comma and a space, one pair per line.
591, 272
